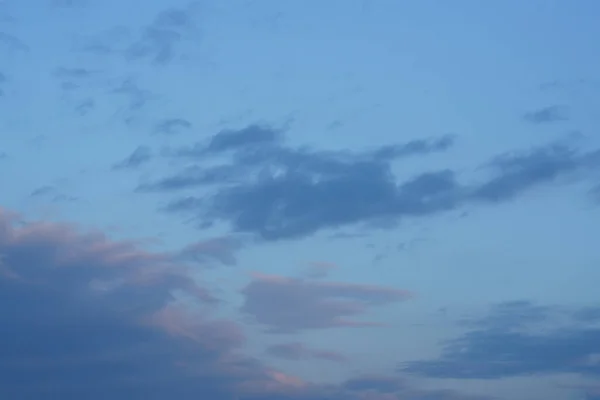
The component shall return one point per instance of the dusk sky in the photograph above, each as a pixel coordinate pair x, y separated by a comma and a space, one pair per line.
300, 199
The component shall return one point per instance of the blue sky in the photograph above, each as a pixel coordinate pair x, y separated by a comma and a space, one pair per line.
369, 200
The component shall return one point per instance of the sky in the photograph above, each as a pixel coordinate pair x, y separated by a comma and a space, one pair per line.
300, 200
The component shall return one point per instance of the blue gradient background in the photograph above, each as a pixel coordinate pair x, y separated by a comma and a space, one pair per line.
469, 295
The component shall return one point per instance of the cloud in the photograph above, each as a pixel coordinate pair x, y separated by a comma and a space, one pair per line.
251, 136
299, 351
172, 126
514, 173
49, 192
547, 115
159, 42
511, 315
222, 250
12, 44
511, 348
136, 96
287, 305
141, 155
3, 80
276, 191
85, 316
319, 269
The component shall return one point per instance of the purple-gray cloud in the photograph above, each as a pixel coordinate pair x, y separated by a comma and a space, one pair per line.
299, 351
286, 305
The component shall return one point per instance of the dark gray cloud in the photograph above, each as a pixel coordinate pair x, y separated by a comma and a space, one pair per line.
140, 156
508, 347
287, 305
299, 351
277, 191
546, 115
84, 316
172, 126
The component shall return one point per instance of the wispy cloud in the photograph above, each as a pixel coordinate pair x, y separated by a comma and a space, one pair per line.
286, 305
547, 115
299, 351
504, 345
140, 156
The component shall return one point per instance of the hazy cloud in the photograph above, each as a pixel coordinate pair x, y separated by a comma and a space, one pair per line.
12, 44
172, 126
510, 348
299, 351
141, 155
287, 305
222, 250
159, 42
549, 114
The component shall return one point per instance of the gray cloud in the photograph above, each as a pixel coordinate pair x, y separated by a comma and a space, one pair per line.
288, 305
514, 173
280, 192
140, 156
546, 115
508, 348
299, 351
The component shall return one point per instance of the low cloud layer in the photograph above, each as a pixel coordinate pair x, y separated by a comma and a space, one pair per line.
504, 344
89, 317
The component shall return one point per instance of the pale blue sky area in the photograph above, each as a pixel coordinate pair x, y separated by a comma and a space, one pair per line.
368, 199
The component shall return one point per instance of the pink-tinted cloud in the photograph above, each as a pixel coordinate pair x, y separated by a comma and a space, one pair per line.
85, 316
290, 304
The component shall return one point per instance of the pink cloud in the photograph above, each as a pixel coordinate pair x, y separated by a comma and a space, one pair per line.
290, 304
